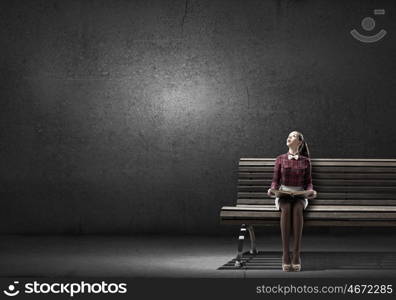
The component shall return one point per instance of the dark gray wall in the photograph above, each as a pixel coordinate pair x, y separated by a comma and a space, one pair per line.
130, 116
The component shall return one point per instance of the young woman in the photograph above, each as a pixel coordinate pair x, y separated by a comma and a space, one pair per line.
292, 172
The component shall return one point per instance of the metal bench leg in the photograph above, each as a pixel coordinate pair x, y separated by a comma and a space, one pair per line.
253, 249
241, 239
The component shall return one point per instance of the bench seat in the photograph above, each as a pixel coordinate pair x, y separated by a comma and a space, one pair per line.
354, 215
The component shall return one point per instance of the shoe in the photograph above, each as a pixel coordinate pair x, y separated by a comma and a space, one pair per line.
286, 267
296, 267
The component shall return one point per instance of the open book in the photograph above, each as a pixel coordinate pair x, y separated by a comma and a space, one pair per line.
292, 193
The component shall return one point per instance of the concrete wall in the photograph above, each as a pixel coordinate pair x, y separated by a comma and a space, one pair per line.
130, 116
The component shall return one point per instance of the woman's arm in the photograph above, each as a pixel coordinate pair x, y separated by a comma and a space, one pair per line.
308, 177
277, 174
308, 181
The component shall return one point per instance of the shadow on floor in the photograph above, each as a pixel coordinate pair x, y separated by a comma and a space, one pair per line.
315, 261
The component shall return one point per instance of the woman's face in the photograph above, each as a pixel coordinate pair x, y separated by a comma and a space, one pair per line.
292, 140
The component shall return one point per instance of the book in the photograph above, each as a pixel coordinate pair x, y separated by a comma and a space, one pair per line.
291, 193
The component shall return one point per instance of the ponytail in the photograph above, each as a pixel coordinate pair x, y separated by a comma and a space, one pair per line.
303, 149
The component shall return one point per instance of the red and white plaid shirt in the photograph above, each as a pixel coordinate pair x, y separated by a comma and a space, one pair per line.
292, 172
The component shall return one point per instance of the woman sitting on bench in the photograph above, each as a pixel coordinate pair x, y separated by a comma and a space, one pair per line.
292, 172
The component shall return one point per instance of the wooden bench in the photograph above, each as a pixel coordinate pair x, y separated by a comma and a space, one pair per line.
351, 192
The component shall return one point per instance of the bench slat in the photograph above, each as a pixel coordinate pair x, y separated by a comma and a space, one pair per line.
332, 208
321, 202
328, 222
316, 176
325, 162
324, 195
310, 215
326, 182
325, 159
366, 189
367, 163
339, 169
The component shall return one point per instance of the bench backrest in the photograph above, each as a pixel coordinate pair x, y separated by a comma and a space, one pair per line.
337, 181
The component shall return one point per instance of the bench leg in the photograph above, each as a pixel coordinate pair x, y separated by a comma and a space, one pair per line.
253, 249
241, 239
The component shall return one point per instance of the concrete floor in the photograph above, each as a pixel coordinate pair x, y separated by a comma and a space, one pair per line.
345, 256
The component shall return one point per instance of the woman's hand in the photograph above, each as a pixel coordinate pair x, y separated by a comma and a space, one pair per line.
269, 193
312, 194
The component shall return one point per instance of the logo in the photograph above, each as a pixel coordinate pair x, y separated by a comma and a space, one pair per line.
11, 290
69, 288
368, 24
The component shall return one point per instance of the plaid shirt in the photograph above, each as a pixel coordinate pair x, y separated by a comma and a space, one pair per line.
292, 172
